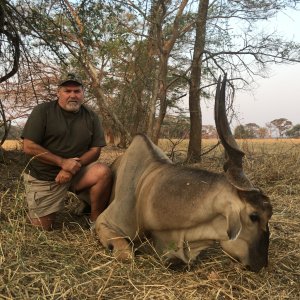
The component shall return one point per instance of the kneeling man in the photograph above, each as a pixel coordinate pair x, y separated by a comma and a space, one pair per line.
64, 140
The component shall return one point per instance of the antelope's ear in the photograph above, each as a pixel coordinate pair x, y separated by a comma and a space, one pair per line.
234, 225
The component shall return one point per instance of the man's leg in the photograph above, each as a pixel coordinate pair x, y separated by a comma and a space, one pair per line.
45, 222
44, 199
97, 178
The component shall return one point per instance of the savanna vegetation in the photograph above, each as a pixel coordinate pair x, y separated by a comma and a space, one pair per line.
69, 262
139, 60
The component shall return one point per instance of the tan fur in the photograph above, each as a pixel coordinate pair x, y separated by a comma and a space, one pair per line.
182, 210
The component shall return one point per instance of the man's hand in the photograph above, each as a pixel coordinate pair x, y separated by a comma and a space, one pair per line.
71, 165
63, 177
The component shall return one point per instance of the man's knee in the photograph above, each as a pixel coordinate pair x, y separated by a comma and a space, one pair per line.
103, 172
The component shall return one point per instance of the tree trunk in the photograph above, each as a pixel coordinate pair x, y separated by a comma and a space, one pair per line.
194, 148
162, 96
152, 106
153, 51
164, 47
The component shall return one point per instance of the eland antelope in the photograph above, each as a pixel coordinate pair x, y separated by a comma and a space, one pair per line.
183, 210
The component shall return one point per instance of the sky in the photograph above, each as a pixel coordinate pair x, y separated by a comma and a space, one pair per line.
277, 96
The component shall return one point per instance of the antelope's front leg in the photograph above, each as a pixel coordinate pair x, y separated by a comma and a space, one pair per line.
113, 241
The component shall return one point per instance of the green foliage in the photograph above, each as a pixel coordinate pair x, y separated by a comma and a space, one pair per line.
294, 132
243, 132
13, 133
283, 125
175, 127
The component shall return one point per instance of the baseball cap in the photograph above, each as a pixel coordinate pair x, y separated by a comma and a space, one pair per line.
70, 77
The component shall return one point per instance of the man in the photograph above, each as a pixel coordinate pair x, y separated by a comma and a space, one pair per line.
64, 139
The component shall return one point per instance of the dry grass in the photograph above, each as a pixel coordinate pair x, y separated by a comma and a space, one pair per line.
12, 145
69, 263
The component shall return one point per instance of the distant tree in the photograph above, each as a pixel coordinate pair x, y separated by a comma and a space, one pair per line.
253, 130
248, 131
282, 125
272, 130
14, 132
294, 132
209, 132
240, 132
263, 133
175, 127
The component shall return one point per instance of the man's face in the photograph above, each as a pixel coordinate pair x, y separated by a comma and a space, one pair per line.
70, 97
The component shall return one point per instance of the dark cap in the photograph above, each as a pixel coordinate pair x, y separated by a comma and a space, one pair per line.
70, 77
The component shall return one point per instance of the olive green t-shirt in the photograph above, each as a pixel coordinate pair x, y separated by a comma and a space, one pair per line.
63, 133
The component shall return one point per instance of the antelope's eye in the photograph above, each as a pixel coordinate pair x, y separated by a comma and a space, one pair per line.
254, 217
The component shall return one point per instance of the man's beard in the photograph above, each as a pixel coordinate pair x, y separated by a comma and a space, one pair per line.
73, 106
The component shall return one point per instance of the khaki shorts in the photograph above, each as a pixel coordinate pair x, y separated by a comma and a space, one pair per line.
47, 197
